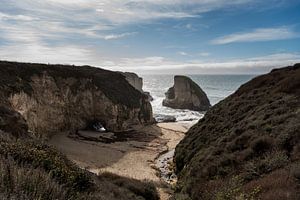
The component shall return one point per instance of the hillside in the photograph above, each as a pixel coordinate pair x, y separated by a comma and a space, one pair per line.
248, 145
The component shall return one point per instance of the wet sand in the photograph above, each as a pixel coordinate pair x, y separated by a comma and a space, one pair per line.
134, 156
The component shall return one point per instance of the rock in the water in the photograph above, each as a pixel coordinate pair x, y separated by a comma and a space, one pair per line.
186, 94
56, 98
165, 118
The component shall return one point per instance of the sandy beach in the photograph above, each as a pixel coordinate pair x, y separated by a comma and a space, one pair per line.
135, 156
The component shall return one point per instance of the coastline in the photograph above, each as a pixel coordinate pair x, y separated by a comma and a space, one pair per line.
135, 157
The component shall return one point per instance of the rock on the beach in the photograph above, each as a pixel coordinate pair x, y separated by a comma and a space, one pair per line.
186, 94
165, 118
57, 98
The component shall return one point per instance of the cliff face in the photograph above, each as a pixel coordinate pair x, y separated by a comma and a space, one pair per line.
134, 80
186, 94
55, 98
246, 145
137, 82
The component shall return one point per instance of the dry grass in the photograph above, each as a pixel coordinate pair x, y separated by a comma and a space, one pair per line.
33, 170
22, 182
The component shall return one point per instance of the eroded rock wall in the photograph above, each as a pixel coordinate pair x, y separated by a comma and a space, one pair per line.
57, 98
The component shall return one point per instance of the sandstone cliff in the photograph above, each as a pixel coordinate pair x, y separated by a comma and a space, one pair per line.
186, 94
137, 83
134, 80
55, 98
248, 145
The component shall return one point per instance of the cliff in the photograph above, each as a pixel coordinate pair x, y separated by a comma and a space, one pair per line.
134, 80
248, 145
186, 94
137, 82
54, 98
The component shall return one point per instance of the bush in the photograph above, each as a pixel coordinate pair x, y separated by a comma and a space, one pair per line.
233, 191
262, 144
146, 189
42, 156
270, 161
21, 182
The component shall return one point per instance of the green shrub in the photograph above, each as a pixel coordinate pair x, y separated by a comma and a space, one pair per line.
233, 191
269, 162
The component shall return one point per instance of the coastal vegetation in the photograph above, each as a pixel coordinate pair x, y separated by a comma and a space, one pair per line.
246, 146
30, 169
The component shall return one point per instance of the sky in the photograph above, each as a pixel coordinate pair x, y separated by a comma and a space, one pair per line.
153, 36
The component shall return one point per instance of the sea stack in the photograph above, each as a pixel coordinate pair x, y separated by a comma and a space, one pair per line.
186, 94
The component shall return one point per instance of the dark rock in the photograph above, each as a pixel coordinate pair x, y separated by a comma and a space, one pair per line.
165, 118
149, 97
186, 94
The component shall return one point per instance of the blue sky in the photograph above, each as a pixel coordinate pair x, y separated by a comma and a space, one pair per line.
153, 36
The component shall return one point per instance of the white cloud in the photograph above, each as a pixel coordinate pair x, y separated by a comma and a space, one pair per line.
118, 36
4, 16
120, 11
204, 54
261, 34
42, 53
182, 53
163, 65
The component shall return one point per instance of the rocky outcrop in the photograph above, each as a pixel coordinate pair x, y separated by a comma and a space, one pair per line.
134, 80
186, 94
55, 98
249, 140
137, 83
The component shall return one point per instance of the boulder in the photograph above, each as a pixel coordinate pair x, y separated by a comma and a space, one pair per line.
165, 118
186, 94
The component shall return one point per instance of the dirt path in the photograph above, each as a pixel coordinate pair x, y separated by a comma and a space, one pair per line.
134, 157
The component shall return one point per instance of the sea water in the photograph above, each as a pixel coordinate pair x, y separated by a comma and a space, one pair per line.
217, 87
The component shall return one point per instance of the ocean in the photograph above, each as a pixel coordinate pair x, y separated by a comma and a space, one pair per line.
217, 87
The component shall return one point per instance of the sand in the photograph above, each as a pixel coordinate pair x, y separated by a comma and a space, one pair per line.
134, 158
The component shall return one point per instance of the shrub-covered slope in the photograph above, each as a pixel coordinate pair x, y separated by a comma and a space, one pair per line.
33, 170
248, 145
